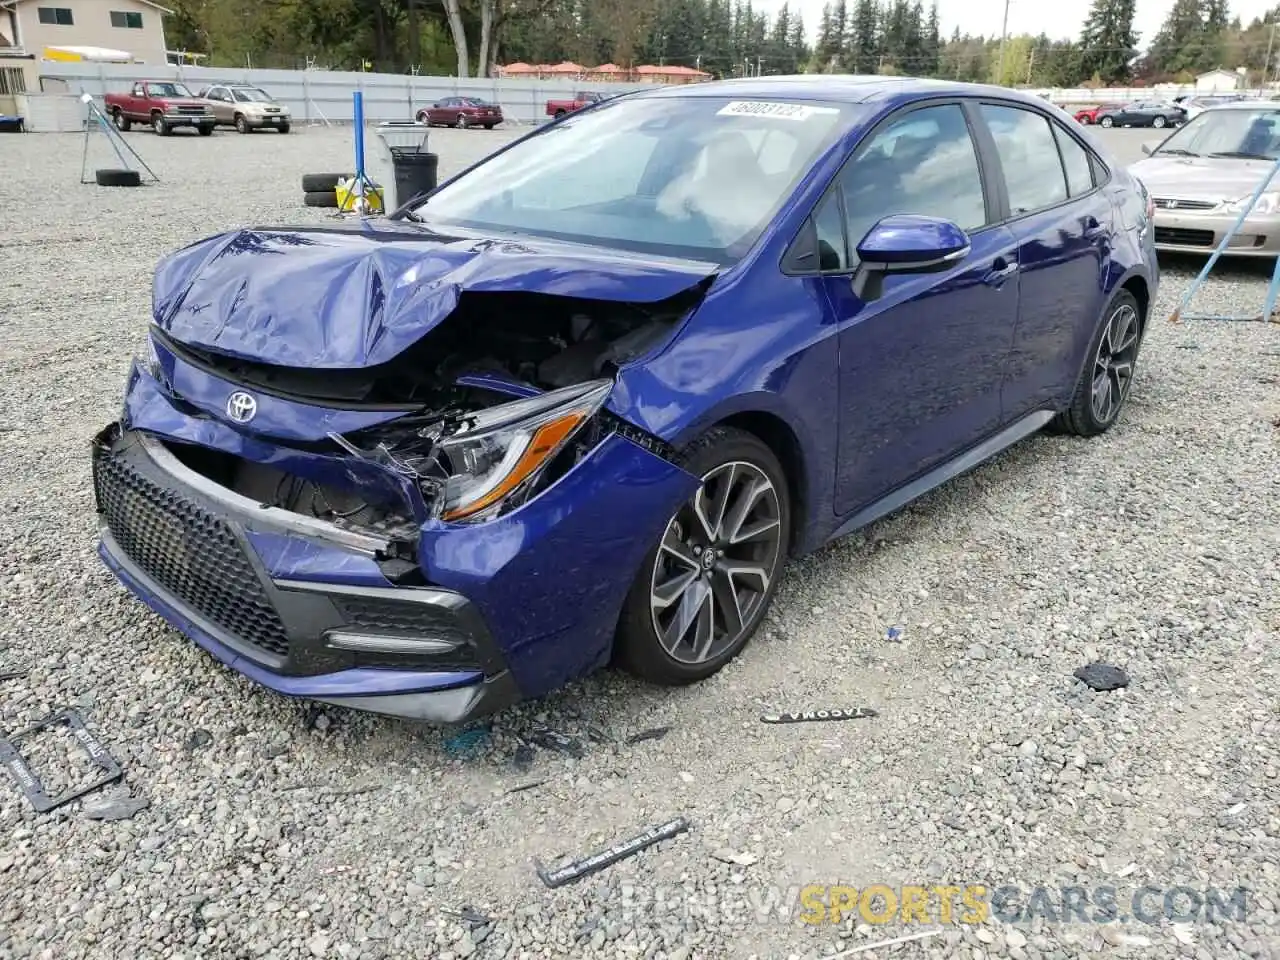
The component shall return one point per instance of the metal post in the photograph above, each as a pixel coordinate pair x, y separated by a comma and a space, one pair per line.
1004, 35
1266, 67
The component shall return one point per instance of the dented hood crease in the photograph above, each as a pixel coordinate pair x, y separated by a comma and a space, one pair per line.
356, 297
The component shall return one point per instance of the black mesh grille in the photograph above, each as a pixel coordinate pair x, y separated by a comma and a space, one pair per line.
400, 617
188, 551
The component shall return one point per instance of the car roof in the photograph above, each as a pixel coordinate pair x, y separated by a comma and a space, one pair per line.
1246, 105
843, 88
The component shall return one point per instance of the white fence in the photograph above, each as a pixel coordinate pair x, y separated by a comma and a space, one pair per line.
315, 96
321, 95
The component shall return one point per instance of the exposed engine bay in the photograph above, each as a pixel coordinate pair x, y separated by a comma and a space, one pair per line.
498, 401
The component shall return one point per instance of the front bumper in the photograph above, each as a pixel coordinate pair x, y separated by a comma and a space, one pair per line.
189, 119
194, 552
533, 597
1200, 233
268, 120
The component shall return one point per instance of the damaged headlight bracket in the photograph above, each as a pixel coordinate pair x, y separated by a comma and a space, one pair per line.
472, 466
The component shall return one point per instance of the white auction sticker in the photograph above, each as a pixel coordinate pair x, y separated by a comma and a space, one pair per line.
771, 108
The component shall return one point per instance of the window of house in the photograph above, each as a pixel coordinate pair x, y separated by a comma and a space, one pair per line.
12, 82
56, 16
126, 20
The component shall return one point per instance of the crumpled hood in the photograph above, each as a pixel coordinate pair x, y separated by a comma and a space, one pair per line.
357, 295
1202, 178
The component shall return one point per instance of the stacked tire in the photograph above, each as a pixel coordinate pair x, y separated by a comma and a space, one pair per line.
320, 189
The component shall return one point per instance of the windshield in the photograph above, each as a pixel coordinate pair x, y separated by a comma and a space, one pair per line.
251, 95
689, 176
1228, 133
168, 90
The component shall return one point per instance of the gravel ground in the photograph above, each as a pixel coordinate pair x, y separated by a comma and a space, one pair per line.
275, 831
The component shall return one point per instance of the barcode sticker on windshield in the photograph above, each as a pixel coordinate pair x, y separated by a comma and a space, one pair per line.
769, 108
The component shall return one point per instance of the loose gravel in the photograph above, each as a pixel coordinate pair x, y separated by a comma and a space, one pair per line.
267, 828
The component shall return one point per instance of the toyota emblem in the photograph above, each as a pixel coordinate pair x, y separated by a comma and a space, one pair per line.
241, 407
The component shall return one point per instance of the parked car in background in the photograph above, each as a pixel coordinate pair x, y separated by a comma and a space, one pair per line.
163, 104
584, 403
558, 108
462, 112
1145, 113
1202, 177
246, 108
1194, 106
1089, 115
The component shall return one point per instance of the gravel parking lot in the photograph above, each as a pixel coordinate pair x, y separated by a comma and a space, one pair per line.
276, 831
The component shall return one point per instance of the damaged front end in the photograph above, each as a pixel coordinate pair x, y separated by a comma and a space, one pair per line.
420, 537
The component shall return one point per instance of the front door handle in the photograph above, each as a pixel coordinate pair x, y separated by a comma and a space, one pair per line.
1000, 271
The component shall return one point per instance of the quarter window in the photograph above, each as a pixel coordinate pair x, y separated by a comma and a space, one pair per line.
1033, 172
925, 163
1075, 159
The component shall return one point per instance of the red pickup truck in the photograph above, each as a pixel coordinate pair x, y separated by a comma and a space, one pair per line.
163, 104
558, 108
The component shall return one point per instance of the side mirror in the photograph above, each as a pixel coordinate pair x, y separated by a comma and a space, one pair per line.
906, 243
1149, 147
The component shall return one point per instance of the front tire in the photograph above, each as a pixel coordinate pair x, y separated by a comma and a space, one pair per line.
159, 125
703, 589
242, 125
1107, 376
122, 122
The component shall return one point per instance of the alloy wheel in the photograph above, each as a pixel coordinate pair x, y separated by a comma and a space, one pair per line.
1158, 122
462, 121
717, 558
1114, 362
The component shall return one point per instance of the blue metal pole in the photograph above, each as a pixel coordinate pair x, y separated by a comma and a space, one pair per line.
359, 123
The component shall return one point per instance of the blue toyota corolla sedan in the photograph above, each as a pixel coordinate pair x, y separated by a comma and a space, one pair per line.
582, 402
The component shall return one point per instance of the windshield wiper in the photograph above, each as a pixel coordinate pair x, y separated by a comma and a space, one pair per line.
1178, 152
1241, 155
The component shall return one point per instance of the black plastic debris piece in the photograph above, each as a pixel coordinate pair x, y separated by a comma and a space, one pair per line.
559, 742
113, 808
597, 735
1102, 676
813, 716
653, 733
523, 758
12, 674
468, 743
521, 787
12, 760
469, 915
198, 739
608, 857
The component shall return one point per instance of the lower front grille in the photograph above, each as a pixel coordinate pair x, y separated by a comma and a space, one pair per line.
1179, 237
188, 551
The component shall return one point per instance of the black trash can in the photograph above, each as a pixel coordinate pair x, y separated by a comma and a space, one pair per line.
415, 173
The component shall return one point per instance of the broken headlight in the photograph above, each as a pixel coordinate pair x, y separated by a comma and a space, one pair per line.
147, 358
503, 449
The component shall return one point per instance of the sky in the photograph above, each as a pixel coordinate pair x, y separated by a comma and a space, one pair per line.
1060, 19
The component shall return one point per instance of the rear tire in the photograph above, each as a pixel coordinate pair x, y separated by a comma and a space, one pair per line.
118, 178
1158, 122
461, 122
159, 125
1106, 122
677, 583
320, 198
321, 182
1104, 383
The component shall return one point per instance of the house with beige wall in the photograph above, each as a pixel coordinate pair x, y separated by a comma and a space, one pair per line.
30, 28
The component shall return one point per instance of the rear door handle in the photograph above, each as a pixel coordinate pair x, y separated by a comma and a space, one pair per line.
1000, 271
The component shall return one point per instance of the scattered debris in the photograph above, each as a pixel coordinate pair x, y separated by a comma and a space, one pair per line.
1126, 870
314, 718
863, 948
1113, 935
113, 808
466, 744
12, 760
1102, 676
1236, 808
809, 716
597, 735
198, 739
740, 859
686, 776
606, 858
521, 787
273, 750
468, 915
653, 733
353, 791
894, 634
1183, 933
550, 739
523, 758
12, 674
